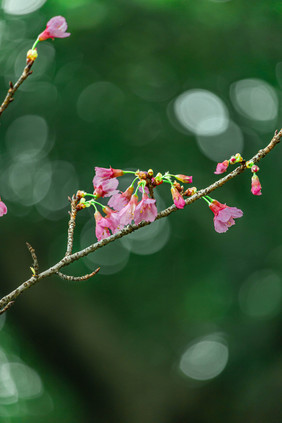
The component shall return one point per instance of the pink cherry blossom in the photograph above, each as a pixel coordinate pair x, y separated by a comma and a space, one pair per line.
105, 188
146, 210
56, 28
256, 186
224, 216
221, 167
126, 214
102, 174
177, 198
101, 230
121, 199
3, 208
113, 220
184, 178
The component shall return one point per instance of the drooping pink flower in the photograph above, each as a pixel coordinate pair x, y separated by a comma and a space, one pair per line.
102, 174
105, 188
177, 198
55, 28
113, 220
101, 230
146, 210
221, 167
3, 208
256, 186
224, 216
126, 214
184, 178
121, 199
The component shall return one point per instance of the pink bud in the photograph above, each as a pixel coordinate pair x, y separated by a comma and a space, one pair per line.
256, 186
254, 168
221, 167
177, 198
185, 179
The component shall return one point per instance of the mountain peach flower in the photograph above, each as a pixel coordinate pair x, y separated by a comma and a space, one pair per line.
102, 229
121, 199
184, 178
177, 198
126, 214
146, 210
224, 216
3, 208
105, 188
112, 220
221, 167
256, 186
56, 28
103, 174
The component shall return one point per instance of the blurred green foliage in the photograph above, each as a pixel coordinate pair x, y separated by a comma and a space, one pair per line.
108, 350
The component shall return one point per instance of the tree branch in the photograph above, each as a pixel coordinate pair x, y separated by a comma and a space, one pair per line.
8, 300
13, 88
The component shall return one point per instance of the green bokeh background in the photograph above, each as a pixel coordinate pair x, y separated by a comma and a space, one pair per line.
109, 349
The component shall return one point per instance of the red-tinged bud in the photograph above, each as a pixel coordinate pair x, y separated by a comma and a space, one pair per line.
157, 180
177, 186
150, 173
254, 168
80, 194
236, 159
177, 198
81, 205
141, 174
31, 55
256, 186
190, 191
249, 164
184, 178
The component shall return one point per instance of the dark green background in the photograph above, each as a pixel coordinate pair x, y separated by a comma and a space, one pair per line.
108, 350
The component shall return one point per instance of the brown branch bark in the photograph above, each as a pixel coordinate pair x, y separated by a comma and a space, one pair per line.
13, 88
70, 258
78, 278
73, 214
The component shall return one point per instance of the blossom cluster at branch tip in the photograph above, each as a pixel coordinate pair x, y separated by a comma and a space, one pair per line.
223, 215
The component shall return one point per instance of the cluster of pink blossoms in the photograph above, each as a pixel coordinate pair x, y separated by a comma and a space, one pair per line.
222, 167
126, 207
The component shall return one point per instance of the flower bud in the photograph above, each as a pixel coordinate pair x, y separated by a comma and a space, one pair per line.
254, 168
31, 55
184, 178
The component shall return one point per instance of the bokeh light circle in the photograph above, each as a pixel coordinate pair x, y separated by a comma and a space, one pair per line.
205, 358
21, 7
219, 147
201, 112
255, 99
112, 258
260, 296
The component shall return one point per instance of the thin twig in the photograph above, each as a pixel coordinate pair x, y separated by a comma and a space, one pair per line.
13, 88
9, 305
131, 228
34, 258
73, 214
78, 278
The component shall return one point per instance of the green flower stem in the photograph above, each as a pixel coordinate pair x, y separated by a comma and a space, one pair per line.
35, 43
205, 198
